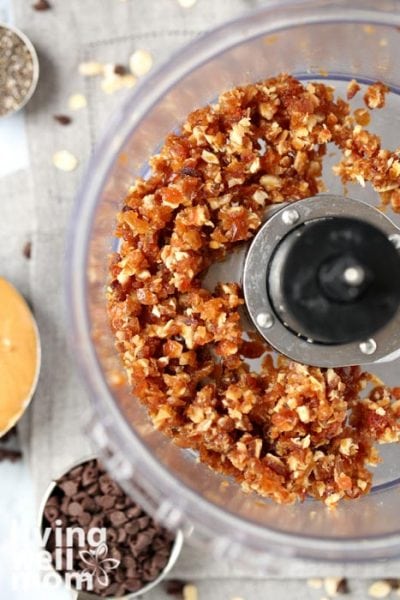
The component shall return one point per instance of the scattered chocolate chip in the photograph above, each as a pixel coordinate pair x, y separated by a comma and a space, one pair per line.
27, 251
63, 119
12, 433
120, 70
343, 587
11, 455
174, 587
394, 583
41, 5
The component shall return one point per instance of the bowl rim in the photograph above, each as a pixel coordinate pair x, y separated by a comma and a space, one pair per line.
173, 557
35, 72
195, 509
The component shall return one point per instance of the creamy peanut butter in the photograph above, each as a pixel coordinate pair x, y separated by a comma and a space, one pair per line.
19, 355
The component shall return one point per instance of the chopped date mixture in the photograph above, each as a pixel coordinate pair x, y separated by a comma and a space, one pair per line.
290, 430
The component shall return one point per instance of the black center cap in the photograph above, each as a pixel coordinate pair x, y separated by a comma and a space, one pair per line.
340, 280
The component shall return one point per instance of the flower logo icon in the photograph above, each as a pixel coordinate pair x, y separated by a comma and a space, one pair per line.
98, 564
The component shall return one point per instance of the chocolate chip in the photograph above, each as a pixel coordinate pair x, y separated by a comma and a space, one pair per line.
11, 455
89, 475
63, 119
51, 513
89, 505
41, 5
105, 502
143, 522
120, 70
70, 488
133, 585
107, 486
75, 509
133, 512
84, 519
76, 472
27, 251
65, 502
343, 587
93, 489
118, 518
174, 587
132, 528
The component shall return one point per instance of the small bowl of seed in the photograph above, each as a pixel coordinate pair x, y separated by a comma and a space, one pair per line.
19, 70
97, 541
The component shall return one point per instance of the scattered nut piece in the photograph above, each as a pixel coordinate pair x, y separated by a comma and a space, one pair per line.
140, 63
190, 592
314, 583
375, 95
65, 160
91, 68
369, 29
187, 3
352, 89
77, 101
379, 589
362, 117
114, 83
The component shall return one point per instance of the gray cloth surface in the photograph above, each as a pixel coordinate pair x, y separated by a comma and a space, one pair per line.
37, 204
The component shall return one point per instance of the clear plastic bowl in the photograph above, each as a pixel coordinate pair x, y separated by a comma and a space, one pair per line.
315, 39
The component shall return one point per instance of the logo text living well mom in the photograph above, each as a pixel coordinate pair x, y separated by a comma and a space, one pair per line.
33, 567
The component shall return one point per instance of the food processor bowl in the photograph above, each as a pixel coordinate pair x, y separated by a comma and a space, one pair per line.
330, 41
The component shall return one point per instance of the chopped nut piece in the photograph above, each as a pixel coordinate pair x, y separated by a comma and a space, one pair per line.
209, 157
187, 3
112, 82
190, 592
77, 101
140, 63
314, 583
352, 89
332, 585
304, 414
379, 589
375, 95
91, 69
65, 160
